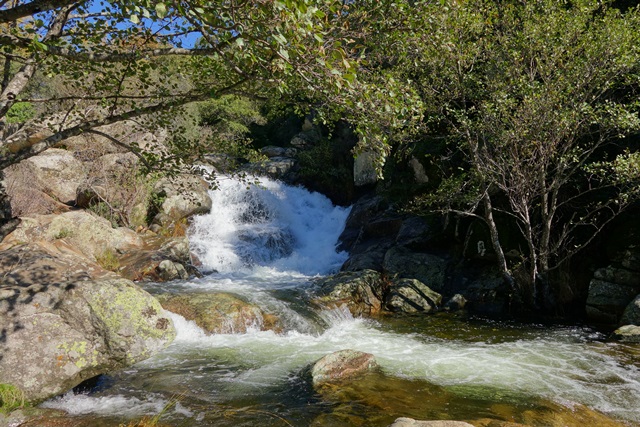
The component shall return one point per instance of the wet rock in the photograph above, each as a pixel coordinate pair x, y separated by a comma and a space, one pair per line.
631, 314
361, 291
485, 291
60, 333
341, 365
410, 422
219, 313
627, 333
411, 296
275, 167
169, 270
427, 268
145, 264
457, 302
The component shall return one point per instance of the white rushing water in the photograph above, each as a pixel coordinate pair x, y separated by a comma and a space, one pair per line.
273, 238
271, 230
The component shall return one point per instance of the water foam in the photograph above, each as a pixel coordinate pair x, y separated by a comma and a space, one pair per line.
271, 225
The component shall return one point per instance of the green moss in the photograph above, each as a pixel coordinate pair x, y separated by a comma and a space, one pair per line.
11, 398
124, 310
108, 259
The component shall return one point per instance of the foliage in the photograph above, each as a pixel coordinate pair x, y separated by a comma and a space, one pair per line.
536, 99
20, 112
227, 126
11, 398
135, 59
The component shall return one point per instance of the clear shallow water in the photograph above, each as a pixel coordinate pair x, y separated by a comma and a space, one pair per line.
435, 367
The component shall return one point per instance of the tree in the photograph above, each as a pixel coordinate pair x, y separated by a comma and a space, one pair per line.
137, 59
535, 99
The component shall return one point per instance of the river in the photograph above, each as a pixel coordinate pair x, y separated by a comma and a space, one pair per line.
266, 244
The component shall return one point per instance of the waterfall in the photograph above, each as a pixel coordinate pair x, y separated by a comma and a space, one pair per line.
269, 226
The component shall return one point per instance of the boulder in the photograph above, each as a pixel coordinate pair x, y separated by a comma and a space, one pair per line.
182, 196
610, 292
631, 314
341, 365
456, 302
275, 167
364, 169
82, 232
219, 313
57, 334
369, 255
273, 151
45, 183
418, 171
361, 291
411, 296
163, 259
427, 268
410, 422
627, 333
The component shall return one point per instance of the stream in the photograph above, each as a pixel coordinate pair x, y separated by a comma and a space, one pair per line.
266, 244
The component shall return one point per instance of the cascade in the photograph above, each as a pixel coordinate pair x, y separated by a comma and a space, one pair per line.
264, 243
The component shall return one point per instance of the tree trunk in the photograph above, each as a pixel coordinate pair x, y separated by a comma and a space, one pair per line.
7, 222
495, 242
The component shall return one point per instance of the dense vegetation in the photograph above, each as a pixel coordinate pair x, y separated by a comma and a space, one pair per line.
533, 105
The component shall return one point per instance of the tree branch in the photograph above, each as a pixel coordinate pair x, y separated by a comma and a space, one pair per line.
31, 8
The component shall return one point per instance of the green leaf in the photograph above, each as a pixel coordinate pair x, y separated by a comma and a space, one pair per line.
134, 19
161, 10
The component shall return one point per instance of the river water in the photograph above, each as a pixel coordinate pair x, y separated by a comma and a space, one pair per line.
265, 244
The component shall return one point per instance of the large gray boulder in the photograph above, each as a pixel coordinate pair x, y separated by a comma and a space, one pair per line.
45, 183
342, 365
181, 197
411, 296
81, 232
610, 292
57, 334
219, 312
361, 291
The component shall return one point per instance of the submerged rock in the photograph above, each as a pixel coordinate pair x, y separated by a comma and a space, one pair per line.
218, 312
60, 333
341, 365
